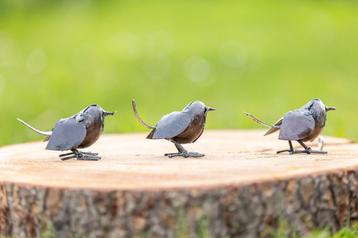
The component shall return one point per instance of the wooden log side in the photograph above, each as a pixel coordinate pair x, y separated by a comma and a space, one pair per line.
240, 189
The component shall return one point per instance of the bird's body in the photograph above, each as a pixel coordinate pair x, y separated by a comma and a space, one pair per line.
78, 131
180, 127
193, 132
93, 133
301, 125
188, 131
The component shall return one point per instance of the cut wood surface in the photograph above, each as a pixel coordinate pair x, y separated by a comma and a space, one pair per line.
132, 162
241, 188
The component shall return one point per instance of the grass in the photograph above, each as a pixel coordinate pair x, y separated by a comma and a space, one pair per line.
183, 233
344, 233
257, 56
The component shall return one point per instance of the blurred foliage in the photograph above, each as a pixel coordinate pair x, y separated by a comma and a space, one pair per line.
343, 233
266, 57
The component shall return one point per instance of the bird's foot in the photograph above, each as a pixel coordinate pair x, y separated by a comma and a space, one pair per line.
310, 151
284, 151
89, 153
80, 156
184, 154
306, 151
89, 157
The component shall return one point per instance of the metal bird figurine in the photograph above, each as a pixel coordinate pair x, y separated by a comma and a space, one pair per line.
301, 125
179, 127
78, 131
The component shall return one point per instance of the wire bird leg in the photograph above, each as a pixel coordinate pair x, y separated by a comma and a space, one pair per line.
79, 155
183, 152
307, 150
291, 150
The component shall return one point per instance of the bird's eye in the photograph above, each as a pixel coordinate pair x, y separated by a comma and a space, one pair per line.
86, 109
310, 107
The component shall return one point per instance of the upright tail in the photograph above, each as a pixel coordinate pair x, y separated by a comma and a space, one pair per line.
44, 133
134, 105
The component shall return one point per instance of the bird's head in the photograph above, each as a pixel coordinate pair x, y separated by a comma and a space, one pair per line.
318, 110
97, 111
198, 108
317, 106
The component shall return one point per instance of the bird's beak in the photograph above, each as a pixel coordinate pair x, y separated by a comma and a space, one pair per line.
211, 109
108, 113
330, 109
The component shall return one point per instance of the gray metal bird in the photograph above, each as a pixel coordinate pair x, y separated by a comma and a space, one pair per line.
179, 127
301, 125
78, 131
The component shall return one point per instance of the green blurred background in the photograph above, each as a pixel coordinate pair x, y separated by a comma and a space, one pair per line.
266, 57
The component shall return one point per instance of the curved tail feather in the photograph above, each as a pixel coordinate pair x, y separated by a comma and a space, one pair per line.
258, 121
44, 133
273, 128
136, 114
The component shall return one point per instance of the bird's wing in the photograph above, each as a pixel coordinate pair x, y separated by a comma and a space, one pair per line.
67, 134
275, 127
297, 125
171, 125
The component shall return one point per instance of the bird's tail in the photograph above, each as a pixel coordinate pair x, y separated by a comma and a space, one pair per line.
134, 105
44, 133
258, 121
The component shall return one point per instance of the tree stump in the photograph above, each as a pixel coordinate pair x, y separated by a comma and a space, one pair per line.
240, 189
